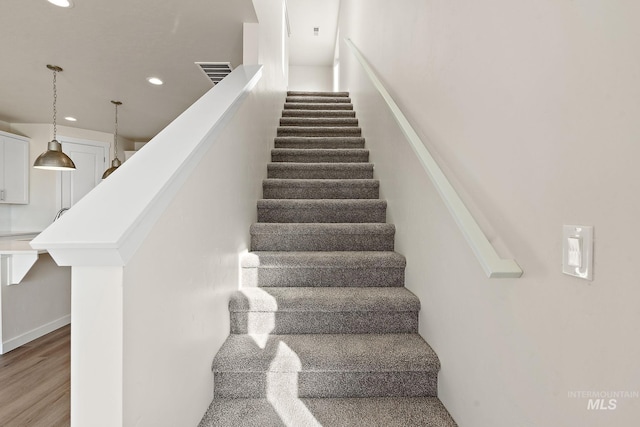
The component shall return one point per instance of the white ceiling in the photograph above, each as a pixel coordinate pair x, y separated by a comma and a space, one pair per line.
304, 15
108, 48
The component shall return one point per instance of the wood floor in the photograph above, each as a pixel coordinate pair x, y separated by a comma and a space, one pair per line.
35, 382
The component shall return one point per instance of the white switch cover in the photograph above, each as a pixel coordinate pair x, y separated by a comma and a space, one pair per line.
577, 251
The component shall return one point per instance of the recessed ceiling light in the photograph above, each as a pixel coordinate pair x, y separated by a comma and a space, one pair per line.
61, 3
71, 119
155, 81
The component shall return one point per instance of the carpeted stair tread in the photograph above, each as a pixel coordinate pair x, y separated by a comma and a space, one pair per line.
317, 93
318, 113
318, 106
319, 131
322, 210
319, 155
323, 299
287, 411
319, 121
275, 188
306, 142
327, 353
325, 365
318, 99
293, 170
322, 236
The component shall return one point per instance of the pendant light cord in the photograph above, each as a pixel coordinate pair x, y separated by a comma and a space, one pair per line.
115, 136
55, 98
115, 133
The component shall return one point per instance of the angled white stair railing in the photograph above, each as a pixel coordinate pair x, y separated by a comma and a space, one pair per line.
492, 264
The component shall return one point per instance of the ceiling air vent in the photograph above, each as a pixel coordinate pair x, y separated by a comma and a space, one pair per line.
215, 71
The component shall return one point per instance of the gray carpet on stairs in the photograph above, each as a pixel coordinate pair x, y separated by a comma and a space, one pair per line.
319, 155
327, 210
323, 332
319, 142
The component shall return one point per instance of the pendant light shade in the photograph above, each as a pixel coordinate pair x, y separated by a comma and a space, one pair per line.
54, 158
115, 164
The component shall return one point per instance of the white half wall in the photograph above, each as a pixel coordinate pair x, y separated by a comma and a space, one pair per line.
531, 109
177, 286
311, 78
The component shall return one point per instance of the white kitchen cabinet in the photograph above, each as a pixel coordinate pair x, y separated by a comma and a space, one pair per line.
14, 169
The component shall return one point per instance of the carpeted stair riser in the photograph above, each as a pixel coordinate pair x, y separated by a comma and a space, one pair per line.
318, 113
322, 276
320, 189
347, 322
318, 131
327, 365
322, 237
316, 155
314, 269
326, 94
344, 412
302, 142
317, 106
323, 311
292, 170
322, 210
319, 121
326, 300
329, 384
318, 99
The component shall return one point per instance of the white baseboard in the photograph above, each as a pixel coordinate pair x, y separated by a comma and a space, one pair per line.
16, 342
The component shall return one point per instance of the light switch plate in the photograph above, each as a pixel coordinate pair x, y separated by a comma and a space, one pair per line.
577, 251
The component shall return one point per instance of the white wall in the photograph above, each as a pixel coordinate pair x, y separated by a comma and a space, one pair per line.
39, 304
312, 78
273, 44
43, 203
531, 108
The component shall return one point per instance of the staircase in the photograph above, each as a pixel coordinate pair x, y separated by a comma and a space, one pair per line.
323, 332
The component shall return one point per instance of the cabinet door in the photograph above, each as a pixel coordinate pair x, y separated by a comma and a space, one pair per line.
14, 183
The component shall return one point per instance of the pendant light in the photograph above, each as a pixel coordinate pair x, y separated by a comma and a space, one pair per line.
54, 158
115, 164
